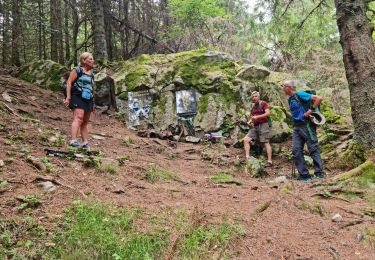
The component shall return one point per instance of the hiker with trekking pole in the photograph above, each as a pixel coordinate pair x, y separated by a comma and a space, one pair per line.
303, 106
260, 120
80, 98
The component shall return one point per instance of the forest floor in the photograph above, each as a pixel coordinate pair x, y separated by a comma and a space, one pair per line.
172, 189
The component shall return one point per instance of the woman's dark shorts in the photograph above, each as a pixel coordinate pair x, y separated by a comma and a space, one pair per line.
78, 102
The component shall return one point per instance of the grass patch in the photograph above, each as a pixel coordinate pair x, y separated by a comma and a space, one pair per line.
97, 231
262, 207
369, 236
221, 177
108, 168
224, 177
314, 209
128, 141
155, 173
28, 201
21, 238
202, 241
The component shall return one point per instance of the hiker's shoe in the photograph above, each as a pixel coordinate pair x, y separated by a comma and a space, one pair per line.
74, 144
85, 146
320, 175
304, 178
268, 164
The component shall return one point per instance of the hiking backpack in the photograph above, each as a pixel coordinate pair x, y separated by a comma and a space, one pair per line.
264, 111
79, 71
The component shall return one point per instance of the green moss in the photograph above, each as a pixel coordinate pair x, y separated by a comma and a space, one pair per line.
134, 78
330, 115
352, 157
277, 114
203, 104
162, 103
123, 96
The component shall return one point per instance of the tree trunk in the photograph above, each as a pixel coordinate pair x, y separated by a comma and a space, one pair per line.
100, 44
16, 32
54, 30
108, 28
40, 30
66, 31
60, 41
75, 31
359, 60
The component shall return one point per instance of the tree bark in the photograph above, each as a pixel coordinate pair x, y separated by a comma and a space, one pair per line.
16, 32
54, 30
66, 31
359, 61
100, 44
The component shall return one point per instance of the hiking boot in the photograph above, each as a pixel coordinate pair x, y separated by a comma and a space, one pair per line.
74, 143
268, 165
319, 175
85, 146
304, 178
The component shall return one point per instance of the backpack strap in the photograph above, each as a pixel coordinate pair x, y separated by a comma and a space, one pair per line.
308, 125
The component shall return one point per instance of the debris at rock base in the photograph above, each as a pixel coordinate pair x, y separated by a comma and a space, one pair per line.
337, 218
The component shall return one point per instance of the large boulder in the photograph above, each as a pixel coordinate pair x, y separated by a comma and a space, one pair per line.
253, 73
45, 73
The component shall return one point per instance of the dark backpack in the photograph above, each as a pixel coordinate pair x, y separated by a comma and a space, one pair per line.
79, 71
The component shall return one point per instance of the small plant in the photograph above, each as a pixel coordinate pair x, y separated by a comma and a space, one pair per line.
25, 150
3, 184
221, 177
369, 236
108, 168
262, 207
128, 141
48, 164
122, 160
28, 201
155, 173
59, 141
172, 156
91, 162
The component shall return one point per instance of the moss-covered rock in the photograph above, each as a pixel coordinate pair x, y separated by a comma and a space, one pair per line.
45, 73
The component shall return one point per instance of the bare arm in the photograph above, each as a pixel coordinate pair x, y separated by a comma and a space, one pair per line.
317, 100
72, 77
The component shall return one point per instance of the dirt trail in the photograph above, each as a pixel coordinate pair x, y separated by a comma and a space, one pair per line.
284, 230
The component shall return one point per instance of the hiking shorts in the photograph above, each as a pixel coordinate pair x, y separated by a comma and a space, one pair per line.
78, 102
260, 132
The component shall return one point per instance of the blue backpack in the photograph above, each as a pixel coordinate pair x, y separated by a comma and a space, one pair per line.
86, 92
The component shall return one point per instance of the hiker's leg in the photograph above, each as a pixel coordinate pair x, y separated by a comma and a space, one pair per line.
313, 147
268, 148
248, 139
298, 139
264, 137
246, 145
84, 127
77, 121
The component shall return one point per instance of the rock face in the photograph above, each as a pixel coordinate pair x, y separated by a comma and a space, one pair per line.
220, 84
45, 73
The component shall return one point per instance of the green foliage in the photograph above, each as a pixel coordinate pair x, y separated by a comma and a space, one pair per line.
98, 231
107, 168
201, 241
221, 177
128, 141
121, 160
196, 12
21, 238
91, 162
155, 173
28, 201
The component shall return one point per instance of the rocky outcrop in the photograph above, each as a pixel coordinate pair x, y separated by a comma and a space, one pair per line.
45, 73
222, 87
